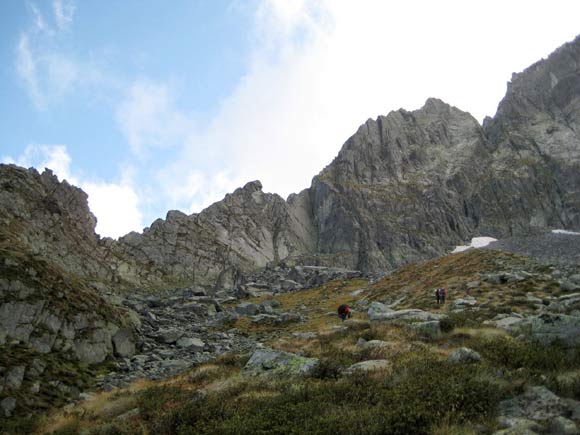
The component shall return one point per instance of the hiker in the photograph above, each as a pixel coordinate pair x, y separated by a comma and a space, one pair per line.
437, 295
442, 294
344, 312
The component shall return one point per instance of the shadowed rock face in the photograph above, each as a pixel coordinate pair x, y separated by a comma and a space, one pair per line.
410, 185
404, 187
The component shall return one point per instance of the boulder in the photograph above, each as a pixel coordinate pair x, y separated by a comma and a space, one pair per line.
247, 309
14, 377
270, 362
369, 366
467, 301
547, 328
409, 315
464, 355
569, 286
378, 309
563, 426
509, 322
168, 336
305, 335
7, 406
124, 344
430, 329
536, 403
194, 344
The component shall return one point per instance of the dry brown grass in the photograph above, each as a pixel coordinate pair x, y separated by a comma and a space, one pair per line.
319, 305
417, 282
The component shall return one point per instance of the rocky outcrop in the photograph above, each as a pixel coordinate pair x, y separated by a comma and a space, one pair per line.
276, 363
246, 230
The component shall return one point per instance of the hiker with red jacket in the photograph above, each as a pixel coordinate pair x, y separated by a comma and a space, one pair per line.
442, 294
344, 312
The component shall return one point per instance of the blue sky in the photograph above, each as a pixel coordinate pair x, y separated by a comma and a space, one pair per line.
150, 106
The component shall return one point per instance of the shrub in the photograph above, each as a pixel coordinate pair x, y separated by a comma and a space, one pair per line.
408, 402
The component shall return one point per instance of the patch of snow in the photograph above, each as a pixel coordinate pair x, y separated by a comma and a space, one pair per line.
565, 232
476, 242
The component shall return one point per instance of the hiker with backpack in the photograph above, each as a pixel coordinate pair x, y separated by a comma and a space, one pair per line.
437, 295
344, 312
442, 295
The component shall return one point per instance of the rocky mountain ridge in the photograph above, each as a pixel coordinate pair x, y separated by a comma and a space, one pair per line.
405, 187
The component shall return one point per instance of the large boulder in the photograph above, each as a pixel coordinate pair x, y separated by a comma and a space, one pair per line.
548, 328
124, 343
409, 315
536, 403
270, 362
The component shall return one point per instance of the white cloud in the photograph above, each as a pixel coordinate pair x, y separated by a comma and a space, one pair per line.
115, 204
116, 207
319, 69
48, 73
64, 11
54, 157
148, 118
27, 70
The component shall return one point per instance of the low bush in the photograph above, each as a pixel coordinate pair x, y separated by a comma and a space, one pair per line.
422, 392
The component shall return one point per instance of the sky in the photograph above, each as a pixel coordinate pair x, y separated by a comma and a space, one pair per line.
150, 106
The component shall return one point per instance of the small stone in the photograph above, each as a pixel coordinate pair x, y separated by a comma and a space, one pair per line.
247, 309
8, 405
369, 366
14, 377
194, 344
563, 426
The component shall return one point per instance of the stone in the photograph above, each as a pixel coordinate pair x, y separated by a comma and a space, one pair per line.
95, 348
464, 355
409, 315
247, 309
467, 301
35, 387
14, 377
269, 362
169, 335
569, 286
124, 344
369, 366
193, 344
378, 309
305, 335
536, 403
128, 415
509, 322
8, 405
429, 329
562, 426
373, 344
548, 328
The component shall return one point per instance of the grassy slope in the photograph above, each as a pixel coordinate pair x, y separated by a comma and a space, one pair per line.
420, 393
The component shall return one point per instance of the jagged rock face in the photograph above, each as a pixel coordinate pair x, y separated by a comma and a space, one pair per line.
51, 220
403, 188
246, 230
407, 186
396, 191
536, 135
